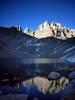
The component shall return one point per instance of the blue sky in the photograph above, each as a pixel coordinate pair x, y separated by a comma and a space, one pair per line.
31, 13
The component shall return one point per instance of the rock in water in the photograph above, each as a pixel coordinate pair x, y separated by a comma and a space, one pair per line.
72, 75
54, 75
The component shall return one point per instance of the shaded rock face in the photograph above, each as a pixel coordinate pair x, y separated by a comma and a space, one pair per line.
52, 30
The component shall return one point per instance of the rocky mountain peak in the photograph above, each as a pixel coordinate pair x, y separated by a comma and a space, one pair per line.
56, 24
44, 25
43, 31
54, 29
28, 31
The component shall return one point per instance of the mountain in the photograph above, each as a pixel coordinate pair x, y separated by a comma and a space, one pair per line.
28, 31
52, 30
43, 31
24, 55
16, 44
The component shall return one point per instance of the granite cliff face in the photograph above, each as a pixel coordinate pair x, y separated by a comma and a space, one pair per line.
43, 31
51, 30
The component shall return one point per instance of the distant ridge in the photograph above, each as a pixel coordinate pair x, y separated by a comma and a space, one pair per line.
51, 30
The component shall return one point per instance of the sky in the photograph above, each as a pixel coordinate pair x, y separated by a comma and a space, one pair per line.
31, 13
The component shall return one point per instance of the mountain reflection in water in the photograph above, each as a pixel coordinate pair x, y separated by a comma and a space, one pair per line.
41, 88
44, 85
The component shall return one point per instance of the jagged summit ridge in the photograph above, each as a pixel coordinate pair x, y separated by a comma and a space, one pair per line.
28, 31
54, 29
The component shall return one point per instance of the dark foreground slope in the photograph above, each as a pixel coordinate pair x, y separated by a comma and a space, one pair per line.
15, 44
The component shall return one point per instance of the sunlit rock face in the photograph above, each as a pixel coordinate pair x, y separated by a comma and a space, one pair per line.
28, 31
61, 32
43, 31
45, 85
51, 30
